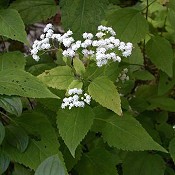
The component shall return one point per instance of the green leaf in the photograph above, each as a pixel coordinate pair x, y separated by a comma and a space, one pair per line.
82, 15
73, 125
18, 82
164, 103
124, 132
4, 162
79, 66
104, 92
172, 149
165, 83
53, 165
11, 104
129, 24
143, 75
75, 84
43, 142
12, 26
97, 162
33, 11
17, 137
143, 163
160, 53
59, 77
2, 132
12, 60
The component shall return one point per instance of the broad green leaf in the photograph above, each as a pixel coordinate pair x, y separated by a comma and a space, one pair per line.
73, 125
124, 132
143, 163
11, 104
43, 142
104, 92
172, 149
97, 162
165, 83
79, 66
59, 77
160, 53
17, 137
143, 75
21, 170
33, 11
2, 132
4, 162
164, 103
18, 82
12, 26
82, 15
129, 24
12, 60
53, 165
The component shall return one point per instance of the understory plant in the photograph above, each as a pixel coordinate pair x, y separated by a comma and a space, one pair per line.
91, 92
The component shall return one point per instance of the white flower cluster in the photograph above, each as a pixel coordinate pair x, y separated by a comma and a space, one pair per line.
76, 100
103, 46
123, 76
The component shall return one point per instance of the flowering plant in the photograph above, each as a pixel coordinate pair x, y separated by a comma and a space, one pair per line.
88, 93
103, 48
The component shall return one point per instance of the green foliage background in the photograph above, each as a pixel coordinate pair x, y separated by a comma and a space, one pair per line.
132, 134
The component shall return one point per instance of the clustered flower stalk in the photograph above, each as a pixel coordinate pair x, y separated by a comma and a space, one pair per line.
103, 47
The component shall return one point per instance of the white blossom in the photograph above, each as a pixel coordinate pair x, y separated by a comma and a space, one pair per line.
77, 100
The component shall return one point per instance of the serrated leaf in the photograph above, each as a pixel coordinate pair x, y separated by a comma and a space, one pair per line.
12, 26
160, 53
172, 149
2, 132
33, 11
53, 165
104, 92
73, 125
12, 60
59, 77
4, 162
17, 137
79, 66
143, 163
19, 82
82, 15
11, 104
129, 24
43, 140
124, 132
97, 162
